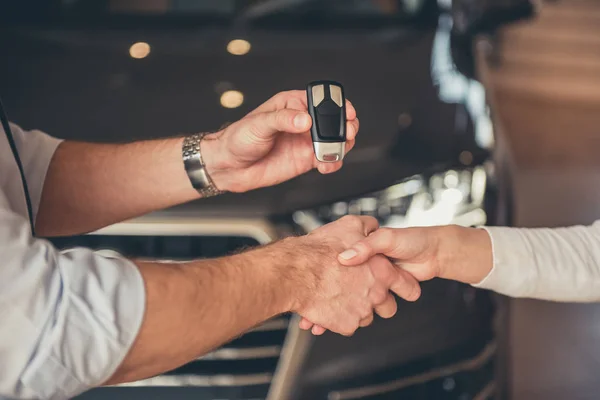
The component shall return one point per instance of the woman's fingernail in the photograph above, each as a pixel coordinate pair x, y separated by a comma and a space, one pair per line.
301, 120
348, 254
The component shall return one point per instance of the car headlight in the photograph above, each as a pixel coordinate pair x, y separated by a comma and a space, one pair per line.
451, 197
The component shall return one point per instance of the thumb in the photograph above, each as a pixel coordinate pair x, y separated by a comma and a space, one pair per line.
382, 241
268, 124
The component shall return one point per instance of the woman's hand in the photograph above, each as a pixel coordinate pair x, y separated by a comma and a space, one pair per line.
423, 253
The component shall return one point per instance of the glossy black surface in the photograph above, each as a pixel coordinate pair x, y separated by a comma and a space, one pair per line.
419, 338
83, 85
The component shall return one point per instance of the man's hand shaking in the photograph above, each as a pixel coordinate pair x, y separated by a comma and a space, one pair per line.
342, 298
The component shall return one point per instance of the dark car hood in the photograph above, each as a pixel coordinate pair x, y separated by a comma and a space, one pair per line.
77, 90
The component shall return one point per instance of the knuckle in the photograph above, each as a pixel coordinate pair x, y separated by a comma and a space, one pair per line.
289, 93
351, 327
414, 293
382, 270
371, 220
346, 330
352, 220
379, 296
390, 311
288, 97
385, 237
365, 311
254, 128
281, 96
282, 118
349, 218
295, 103
385, 234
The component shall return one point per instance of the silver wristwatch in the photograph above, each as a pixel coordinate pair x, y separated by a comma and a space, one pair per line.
195, 168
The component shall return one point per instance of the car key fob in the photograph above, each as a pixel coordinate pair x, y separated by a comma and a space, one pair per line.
327, 108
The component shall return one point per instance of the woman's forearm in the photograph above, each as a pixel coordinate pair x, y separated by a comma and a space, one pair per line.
463, 254
561, 264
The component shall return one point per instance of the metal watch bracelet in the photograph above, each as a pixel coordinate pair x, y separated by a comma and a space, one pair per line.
195, 168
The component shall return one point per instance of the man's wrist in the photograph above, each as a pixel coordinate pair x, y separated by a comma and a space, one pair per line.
294, 264
216, 161
464, 254
278, 272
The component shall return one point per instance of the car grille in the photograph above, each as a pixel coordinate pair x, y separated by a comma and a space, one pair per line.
241, 369
447, 376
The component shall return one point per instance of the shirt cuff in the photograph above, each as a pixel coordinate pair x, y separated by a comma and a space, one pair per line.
511, 252
36, 150
99, 318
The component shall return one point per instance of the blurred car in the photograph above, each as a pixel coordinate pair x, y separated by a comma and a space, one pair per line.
125, 70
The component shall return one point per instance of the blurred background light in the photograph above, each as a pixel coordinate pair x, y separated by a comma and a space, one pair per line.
451, 179
139, 50
466, 157
452, 195
232, 99
239, 47
404, 120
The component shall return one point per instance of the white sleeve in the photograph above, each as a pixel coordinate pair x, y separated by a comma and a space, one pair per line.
560, 264
35, 151
67, 319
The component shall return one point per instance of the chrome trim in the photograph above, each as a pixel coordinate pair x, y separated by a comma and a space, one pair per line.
256, 228
329, 152
202, 381
308, 220
486, 392
296, 346
318, 94
475, 217
466, 365
278, 324
478, 185
248, 353
336, 94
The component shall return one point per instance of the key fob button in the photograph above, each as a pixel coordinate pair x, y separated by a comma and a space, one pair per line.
336, 95
318, 93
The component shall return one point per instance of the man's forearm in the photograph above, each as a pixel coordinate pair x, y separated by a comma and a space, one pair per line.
194, 307
89, 186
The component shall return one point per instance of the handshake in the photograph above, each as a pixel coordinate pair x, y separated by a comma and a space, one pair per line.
337, 276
